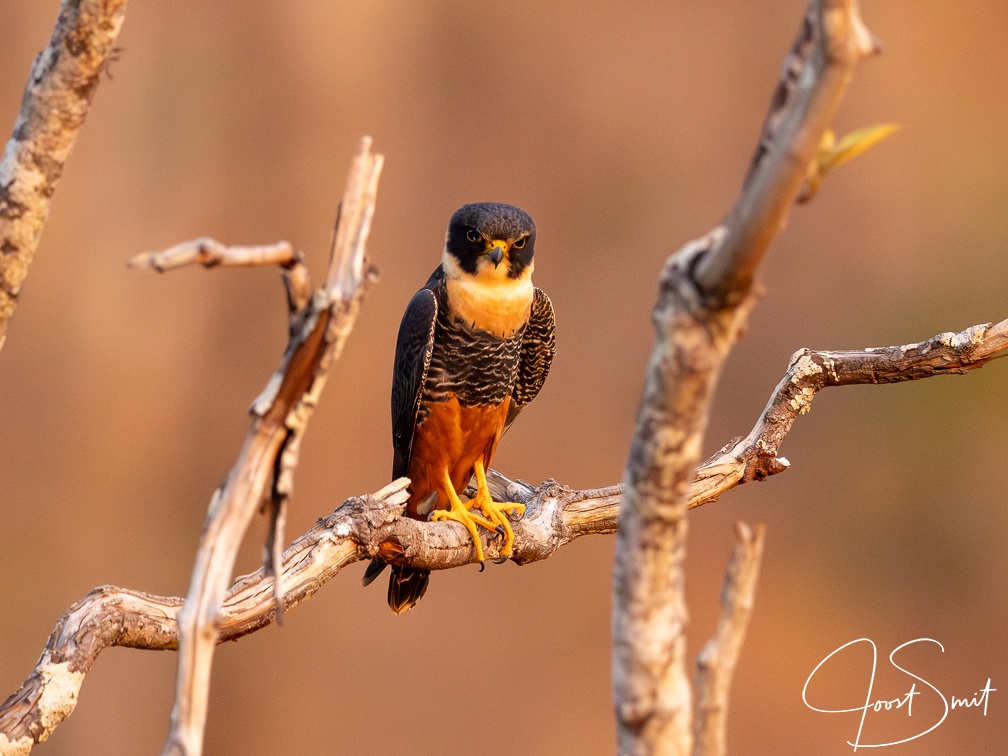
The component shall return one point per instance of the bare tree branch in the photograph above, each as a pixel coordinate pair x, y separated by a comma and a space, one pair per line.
210, 253
360, 529
716, 662
56, 99
704, 297
813, 81
280, 415
755, 456
369, 526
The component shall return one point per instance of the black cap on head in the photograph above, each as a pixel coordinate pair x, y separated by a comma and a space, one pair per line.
473, 227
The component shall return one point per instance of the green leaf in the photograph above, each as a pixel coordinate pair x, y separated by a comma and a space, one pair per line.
832, 153
852, 145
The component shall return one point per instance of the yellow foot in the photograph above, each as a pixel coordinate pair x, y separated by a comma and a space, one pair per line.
495, 511
459, 512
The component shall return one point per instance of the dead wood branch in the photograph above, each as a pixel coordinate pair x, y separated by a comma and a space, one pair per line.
358, 530
210, 253
705, 294
263, 470
56, 99
368, 526
755, 457
716, 662
832, 39
704, 298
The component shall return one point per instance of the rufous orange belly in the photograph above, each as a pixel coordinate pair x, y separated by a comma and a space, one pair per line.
451, 437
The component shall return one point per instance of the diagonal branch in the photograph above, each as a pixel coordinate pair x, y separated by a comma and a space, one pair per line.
56, 99
755, 456
704, 298
813, 81
264, 465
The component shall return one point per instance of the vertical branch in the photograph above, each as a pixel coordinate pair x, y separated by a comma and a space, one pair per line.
651, 689
716, 663
55, 103
280, 415
704, 297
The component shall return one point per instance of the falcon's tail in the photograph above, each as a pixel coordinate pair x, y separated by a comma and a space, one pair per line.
407, 586
373, 570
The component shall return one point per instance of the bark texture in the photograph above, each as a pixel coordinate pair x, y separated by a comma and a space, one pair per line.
369, 526
263, 473
55, 103
704, 297
717, 660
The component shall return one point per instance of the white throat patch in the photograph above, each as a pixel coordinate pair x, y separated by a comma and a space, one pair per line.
489, 300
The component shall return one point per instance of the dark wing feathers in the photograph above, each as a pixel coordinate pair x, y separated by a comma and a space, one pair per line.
412, 358
537, 350
413, 355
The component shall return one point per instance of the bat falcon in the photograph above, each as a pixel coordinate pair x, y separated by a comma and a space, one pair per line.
474, 347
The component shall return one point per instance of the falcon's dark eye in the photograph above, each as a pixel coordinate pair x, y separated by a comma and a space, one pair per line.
472, 236
519, 243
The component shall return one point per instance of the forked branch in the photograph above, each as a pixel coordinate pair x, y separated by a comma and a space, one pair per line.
704, 299
262, 474
755, 457
369, 526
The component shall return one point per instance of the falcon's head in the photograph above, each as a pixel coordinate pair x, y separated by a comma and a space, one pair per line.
490, 241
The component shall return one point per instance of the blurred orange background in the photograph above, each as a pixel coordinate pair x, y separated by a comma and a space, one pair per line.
625, 130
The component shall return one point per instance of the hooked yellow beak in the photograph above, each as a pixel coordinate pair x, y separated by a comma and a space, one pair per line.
496, 251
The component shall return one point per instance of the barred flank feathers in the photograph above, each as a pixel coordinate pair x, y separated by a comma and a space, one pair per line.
537, 350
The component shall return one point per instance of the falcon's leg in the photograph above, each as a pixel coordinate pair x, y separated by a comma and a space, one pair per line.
495, 511
460, 513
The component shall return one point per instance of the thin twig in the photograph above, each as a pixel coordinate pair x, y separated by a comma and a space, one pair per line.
210, 253
56, 99
755, 457
716, 662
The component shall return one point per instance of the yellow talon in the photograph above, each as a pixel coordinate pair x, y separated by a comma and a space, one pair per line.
460, 513
495, 511
482, 511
